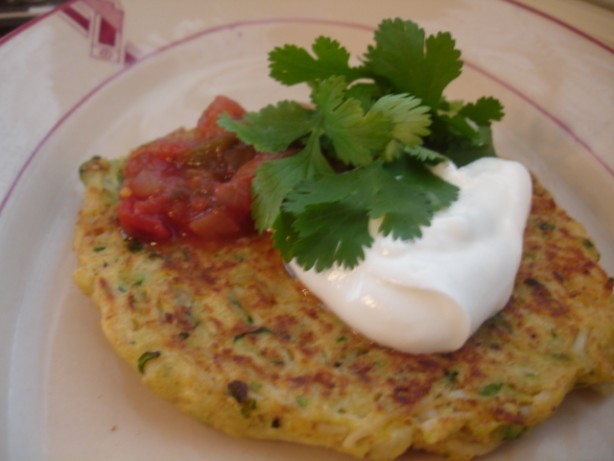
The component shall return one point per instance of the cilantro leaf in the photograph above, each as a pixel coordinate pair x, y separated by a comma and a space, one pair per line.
284, 238
425, 155
402, 209
461, 138
329, 221
442, 61
484, 111
329, 233
273, 128
463, 151
291, 64
329, 188
460, 127
276, 178
409, 196
438, 192
410, 119
403, 58
365, 93
356, 136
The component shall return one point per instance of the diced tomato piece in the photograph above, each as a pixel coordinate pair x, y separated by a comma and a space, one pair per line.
146, 183
236, 194
163, 151
207, 123
141, 225
215, 225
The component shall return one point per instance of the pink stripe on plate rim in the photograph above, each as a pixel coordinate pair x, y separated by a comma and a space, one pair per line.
561, 23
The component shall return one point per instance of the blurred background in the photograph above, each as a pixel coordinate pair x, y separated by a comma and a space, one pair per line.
14, 13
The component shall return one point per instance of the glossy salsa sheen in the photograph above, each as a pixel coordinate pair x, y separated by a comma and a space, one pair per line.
191, 183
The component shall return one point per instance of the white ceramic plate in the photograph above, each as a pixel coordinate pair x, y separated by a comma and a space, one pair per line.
100, 77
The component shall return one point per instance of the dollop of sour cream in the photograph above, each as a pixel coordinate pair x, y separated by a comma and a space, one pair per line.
431, 294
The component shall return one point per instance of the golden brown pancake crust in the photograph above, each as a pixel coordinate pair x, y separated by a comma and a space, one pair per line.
226, 334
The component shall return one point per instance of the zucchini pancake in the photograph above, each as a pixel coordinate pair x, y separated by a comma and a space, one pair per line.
223, 331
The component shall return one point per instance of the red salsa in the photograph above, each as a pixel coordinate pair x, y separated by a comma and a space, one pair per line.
191, 183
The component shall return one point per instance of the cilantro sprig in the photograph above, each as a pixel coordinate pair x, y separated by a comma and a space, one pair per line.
364, 147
